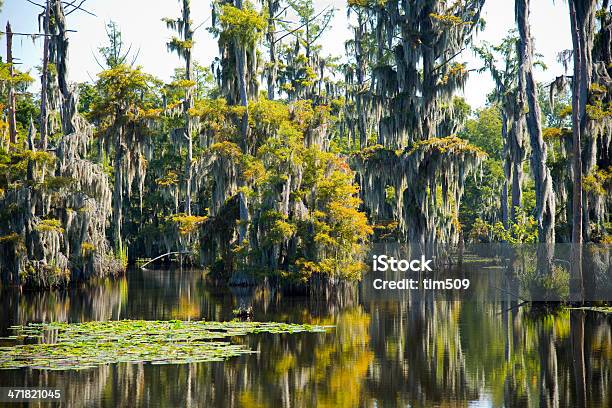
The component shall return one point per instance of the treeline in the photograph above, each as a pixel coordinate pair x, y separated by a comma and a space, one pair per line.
280, 159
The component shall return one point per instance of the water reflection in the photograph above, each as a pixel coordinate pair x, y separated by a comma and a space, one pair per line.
413, 352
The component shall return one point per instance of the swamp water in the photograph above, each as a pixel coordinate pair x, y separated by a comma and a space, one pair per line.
480, 352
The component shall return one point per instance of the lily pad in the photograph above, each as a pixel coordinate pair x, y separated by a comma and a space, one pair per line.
77, 346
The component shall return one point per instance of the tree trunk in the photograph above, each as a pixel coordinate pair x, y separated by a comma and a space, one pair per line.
44, 93
118, 190
545, 197
58, 55
271, 36
244, 101
12, 121
507, 170
360, 71
30, 201
578, 363
241, 57
189, 103
517, 155
582, 27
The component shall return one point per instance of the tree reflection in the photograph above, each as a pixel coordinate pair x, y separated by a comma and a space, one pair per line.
412, 352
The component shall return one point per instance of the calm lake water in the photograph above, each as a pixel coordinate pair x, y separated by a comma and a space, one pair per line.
381, 353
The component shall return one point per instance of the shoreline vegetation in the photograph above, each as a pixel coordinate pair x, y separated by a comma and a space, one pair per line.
284, 162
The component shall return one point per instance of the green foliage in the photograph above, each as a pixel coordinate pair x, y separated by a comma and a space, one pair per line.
18, 80
390, 194
522, 231
88, 97
485, 131
317, 22
113, 53
559, 115
121, 254
26, 109
482, 195
54, 184
243, 25
14, 166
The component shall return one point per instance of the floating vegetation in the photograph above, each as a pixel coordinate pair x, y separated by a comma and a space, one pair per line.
77, 346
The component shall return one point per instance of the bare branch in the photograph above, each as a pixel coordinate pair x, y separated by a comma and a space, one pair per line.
321, 31
201, 24
36, 4
281, 12
39, 34
135, 57
96, 59
302, 25
78, 7
447, 60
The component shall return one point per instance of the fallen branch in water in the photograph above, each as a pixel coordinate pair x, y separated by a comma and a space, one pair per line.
164, 255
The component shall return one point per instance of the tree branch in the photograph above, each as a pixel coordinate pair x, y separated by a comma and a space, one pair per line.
36, 4
39, 34
447, 60
304, 24
78, 7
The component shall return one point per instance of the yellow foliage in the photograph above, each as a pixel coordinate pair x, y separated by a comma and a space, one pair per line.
50, 225
187, 223
170, 179
598, 181
552, 133
10, 238
87, 248
565, 111
281, 230
598, 111
448, 19
183, 83
245, 25
452, 144
227, 149
268, 114
254, 170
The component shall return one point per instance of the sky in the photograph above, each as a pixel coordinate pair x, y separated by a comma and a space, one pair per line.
140, 22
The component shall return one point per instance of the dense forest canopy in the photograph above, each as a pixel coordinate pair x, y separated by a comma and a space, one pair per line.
276, 158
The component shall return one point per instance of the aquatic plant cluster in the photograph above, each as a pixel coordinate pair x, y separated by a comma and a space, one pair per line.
78, 346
